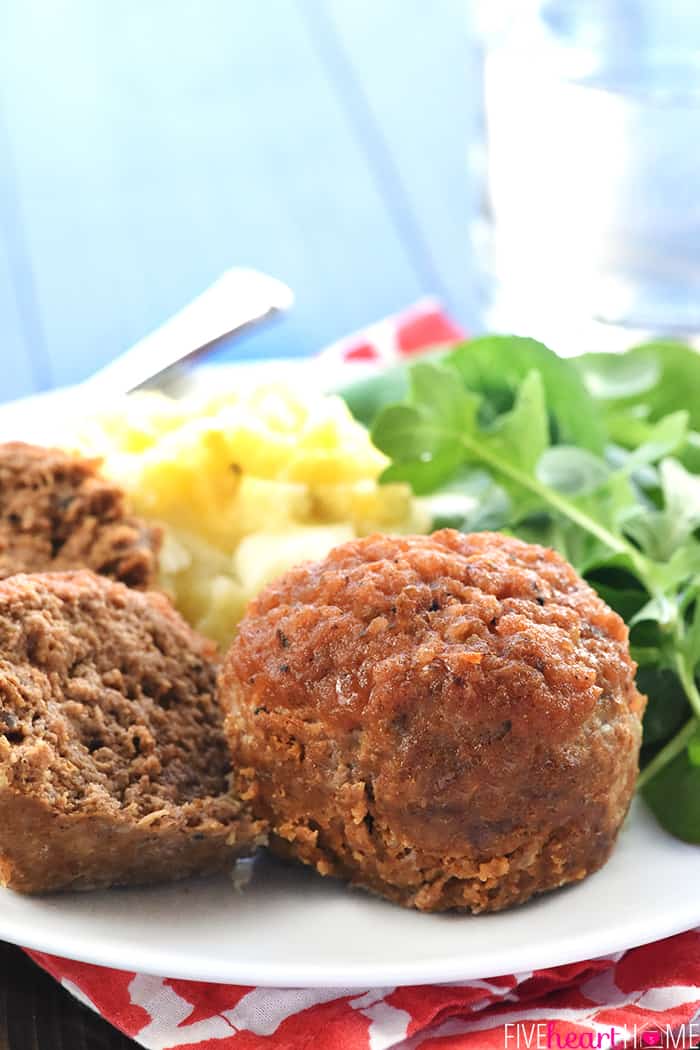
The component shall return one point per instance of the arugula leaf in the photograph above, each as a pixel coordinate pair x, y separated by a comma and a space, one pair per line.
426, 474
418, 435
522, 434
366, 397
661, 533
691, 637
667, 707
682, 567
681, 492
661, 376
674, 797
496, 365
436, 391
471, 502
650, 442
620, 590
694, 748
440, 422
689, 455
661, 609
426, 437
621, 377
574, 471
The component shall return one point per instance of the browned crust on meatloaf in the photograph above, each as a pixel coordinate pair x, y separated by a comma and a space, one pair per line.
450, 721
58, 513
113, 765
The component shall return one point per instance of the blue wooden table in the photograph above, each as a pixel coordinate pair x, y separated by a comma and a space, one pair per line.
145, 148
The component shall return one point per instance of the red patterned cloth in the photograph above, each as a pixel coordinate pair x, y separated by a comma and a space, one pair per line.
402, 335
646, 997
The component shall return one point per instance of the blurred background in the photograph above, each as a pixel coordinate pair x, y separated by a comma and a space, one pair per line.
532, 163
147, 147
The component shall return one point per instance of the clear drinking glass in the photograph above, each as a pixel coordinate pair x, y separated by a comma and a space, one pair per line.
588, 235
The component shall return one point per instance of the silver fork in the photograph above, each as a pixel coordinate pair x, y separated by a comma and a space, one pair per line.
237, 300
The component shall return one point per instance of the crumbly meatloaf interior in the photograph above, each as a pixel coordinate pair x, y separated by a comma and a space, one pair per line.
450, 721
58, 513
113, 764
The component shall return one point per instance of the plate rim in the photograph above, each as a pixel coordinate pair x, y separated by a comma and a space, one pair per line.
595, 944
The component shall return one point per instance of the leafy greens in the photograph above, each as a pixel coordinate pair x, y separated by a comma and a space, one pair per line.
597, 456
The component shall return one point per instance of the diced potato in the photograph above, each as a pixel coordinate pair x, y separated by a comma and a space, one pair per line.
224, 604
247, 484
264, 555
370, 507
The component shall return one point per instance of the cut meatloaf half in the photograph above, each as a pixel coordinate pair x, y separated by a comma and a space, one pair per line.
113, 764
58, 513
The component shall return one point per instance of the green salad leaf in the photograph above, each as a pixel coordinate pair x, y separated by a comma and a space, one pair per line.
651, 380
674, 796
496, 365
441, 421
666, 707
597, 456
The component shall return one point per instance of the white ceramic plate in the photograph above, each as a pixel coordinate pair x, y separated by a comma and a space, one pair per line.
291, 928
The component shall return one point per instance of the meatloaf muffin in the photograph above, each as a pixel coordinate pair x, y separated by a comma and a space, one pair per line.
113, 764
57, 513
450, 721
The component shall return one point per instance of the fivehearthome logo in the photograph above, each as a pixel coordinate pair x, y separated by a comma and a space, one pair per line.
548, 1035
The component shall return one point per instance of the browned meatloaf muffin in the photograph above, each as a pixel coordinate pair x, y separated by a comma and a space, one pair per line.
113, 764
450, 721
57, 513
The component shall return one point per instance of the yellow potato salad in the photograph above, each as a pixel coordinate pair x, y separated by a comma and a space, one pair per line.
247, 484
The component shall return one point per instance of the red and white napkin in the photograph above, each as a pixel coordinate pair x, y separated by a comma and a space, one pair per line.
645, 997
